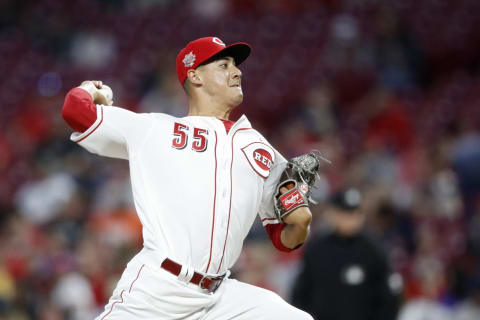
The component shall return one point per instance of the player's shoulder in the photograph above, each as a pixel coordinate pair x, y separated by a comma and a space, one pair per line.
279, 158
260, 137
194, 120
162, 118
123, 115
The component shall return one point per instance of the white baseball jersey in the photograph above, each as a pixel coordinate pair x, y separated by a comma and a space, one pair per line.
197, 189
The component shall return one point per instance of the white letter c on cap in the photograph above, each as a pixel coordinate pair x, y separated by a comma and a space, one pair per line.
218, 41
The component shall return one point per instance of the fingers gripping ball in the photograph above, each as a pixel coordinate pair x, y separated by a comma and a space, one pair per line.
104, 95
293, 190
101, 93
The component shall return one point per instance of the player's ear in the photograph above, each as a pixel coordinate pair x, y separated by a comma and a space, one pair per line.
194, 77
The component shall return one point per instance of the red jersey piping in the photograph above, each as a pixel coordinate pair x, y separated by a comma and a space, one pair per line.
214, 204
230, 206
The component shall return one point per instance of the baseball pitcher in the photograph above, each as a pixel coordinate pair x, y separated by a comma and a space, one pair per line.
198, 183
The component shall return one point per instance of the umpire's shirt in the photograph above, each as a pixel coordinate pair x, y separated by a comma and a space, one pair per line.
345, 278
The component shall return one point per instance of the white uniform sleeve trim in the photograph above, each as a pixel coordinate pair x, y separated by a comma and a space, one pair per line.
77, 136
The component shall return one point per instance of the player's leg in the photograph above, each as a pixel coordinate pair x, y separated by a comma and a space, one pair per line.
240, 301
146, 292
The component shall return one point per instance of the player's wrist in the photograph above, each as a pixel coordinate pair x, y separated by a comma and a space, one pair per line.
301, 217
294, 235
89, 87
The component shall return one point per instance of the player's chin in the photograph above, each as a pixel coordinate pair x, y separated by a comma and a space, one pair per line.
238, 97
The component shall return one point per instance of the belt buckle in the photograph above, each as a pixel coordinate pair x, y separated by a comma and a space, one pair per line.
215, 283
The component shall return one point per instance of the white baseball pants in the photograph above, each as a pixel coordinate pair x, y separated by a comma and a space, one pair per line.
146, 291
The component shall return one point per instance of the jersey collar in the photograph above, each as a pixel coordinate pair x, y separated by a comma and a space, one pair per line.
242, 123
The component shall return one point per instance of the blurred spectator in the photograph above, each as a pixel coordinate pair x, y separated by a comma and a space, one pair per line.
345, 275
470, 308
73, 295
425, 310
465, 159
166, 96
426, 286
41, 201
93, 50
397, 56
7, 290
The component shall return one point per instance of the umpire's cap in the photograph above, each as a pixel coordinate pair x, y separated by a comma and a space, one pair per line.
198, 51
346, 199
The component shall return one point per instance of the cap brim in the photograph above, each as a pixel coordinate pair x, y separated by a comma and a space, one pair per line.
239, 51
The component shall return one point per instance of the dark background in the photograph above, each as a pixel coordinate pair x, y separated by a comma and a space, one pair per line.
389, 91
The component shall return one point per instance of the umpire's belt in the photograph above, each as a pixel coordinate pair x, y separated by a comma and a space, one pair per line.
205, 282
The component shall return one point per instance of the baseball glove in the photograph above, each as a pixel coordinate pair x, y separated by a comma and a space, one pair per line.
299, 177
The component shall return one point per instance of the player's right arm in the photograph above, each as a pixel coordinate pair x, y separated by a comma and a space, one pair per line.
101, 128
79, 110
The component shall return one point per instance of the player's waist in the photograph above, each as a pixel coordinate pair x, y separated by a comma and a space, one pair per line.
155, 259
184, 273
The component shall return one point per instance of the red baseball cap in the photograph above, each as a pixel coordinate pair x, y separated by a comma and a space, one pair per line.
198, 51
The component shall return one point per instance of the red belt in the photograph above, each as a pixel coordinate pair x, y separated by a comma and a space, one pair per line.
205, 282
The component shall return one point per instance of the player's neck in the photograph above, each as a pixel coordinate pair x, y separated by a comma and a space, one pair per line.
209, 110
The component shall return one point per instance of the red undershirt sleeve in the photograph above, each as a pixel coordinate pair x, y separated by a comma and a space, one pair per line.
274, 231
79, 111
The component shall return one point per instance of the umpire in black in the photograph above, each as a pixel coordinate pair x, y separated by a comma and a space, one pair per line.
345, 276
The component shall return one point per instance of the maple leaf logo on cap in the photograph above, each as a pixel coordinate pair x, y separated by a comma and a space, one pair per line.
189, 59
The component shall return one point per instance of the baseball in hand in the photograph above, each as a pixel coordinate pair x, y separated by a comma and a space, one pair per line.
104, 95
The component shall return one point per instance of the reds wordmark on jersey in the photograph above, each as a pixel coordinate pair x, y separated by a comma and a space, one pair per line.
197, 189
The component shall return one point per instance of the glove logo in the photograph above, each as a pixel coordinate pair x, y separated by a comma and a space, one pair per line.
260, 157
291, 200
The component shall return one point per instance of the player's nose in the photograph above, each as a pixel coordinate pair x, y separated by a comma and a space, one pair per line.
236, 73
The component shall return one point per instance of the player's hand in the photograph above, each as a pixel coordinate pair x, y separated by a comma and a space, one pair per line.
287, 187
101, 93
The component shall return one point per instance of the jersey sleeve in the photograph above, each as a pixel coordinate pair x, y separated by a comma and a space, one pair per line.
116, 132
79, 111
272, 225
266, 212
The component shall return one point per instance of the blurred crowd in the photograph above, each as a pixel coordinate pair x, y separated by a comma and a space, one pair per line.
388, 90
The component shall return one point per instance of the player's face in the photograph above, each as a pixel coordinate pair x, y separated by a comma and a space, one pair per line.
223, 81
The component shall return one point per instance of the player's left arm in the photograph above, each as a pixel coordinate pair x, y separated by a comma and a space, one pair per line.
284, 210
297, 227
292, 198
